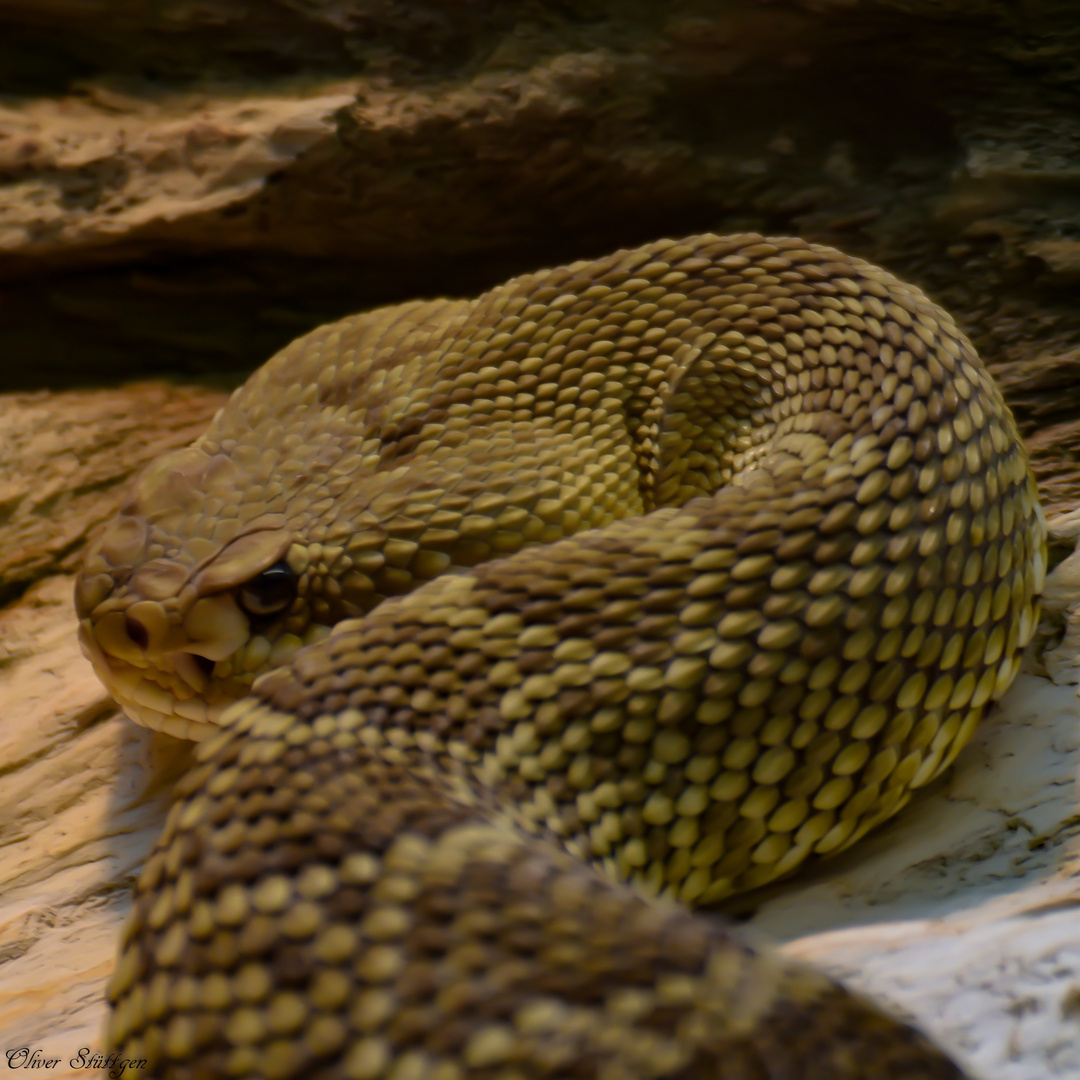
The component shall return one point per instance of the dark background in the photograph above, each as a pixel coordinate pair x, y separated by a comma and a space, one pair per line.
186, 185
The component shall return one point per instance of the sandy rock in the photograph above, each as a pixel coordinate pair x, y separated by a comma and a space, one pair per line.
186, 187
83, 796
109, 167
1055, 649
963, 913
64, 461
83, 789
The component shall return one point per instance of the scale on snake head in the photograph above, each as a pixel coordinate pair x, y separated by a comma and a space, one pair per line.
517, 627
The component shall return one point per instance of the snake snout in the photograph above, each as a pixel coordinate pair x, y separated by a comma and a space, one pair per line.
137, 631
162, 677
195, 670
91, 590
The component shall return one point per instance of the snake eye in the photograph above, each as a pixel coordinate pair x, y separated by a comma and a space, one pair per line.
272, 591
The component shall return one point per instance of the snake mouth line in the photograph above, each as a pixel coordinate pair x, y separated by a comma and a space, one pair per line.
146, 701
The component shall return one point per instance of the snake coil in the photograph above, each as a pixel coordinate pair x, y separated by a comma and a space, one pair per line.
650, 578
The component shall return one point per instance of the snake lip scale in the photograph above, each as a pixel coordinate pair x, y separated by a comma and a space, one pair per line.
515, 627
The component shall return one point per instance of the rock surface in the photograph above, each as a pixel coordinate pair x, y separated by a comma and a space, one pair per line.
963, 913
84, 794
83, 790
185, 187
64, 461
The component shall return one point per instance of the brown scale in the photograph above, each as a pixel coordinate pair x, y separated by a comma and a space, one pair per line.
438, 940
745, 543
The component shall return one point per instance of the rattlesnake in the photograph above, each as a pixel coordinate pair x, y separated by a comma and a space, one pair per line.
662, 573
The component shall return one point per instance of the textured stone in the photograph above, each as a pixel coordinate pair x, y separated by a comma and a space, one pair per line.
206, 181
963, 910
64, 459
84, 795
83, 789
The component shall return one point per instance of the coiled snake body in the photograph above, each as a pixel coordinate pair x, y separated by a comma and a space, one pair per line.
688, 563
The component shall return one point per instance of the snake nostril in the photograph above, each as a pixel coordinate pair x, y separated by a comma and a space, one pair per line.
205, 664
136, 631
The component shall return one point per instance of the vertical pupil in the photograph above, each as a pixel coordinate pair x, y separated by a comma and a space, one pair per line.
272, 590
273, 585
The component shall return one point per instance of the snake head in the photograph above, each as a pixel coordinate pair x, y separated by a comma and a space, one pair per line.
192, 591
288, 515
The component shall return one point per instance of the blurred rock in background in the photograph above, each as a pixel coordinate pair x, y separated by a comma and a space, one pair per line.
184, 187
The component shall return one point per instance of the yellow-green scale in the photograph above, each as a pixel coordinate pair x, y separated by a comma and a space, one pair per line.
690, 563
